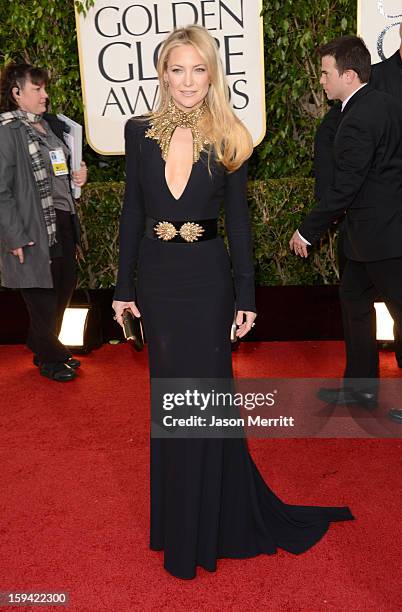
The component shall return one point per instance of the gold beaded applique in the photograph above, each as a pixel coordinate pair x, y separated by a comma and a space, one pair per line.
163, 126
190, 231
165, 230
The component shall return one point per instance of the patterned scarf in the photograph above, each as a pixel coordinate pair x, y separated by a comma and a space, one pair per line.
163, 126
38, 166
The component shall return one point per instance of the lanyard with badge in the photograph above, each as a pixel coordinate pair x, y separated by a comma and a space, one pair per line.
58, 161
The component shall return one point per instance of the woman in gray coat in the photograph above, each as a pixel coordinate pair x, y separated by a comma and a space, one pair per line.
38, 227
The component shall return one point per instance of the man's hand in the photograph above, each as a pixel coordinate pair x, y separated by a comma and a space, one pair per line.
298, 245
20, 252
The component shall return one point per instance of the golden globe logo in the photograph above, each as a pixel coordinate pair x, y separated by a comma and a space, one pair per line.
119, 44
378, 24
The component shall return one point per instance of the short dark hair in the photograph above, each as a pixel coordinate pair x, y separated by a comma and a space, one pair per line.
350, 53
16, 75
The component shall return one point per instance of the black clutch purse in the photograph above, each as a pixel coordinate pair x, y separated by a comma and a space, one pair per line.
132, 328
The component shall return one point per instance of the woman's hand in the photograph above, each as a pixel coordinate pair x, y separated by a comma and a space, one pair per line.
80, 176
20, 252
244, 326
120, 307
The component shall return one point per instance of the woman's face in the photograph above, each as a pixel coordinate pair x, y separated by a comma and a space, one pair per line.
187, 76
31, 98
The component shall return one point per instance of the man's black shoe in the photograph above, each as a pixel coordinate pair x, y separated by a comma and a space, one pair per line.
60, 372
73, 363
335, 396
396, 415
347, 396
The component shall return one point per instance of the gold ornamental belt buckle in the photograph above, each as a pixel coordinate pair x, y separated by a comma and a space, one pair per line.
190, 231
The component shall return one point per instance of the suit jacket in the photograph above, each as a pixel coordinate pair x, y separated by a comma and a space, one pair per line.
367, 181
387, 75
323, 165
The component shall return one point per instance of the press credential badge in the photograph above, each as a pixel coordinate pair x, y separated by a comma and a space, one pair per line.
59, 163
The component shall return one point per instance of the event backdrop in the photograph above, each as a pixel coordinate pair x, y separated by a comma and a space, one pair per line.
378, 24
118, 48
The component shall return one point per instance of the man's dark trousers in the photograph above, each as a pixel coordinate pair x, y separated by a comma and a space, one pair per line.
361, 283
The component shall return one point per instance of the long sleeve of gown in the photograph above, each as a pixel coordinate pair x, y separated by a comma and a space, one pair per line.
238, 230
132, 219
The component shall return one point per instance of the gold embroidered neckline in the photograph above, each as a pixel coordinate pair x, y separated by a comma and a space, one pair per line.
163, 126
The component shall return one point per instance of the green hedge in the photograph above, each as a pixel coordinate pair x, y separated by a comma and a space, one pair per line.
295, 99
277, 206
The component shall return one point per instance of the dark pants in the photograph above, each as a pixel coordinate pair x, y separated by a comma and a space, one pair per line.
46, 306
361, 284
342, 261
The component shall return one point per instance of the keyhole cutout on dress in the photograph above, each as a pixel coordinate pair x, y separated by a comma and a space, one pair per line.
179, 163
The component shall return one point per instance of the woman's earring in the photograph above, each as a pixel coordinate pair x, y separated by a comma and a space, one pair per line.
167, 90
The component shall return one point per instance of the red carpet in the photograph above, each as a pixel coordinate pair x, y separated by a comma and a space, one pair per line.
74, 495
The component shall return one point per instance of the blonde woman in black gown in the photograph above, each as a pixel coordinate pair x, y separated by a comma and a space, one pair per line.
183, 162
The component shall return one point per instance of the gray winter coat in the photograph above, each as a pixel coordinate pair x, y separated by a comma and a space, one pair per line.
21, 215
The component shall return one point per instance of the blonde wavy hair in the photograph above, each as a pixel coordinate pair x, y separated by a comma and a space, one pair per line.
230, 139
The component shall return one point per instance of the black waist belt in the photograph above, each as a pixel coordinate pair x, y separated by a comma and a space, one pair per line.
181, 231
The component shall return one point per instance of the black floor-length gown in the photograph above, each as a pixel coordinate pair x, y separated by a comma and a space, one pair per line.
208, 499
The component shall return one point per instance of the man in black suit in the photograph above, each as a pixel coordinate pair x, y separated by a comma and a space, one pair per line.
385, 76
367, 186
